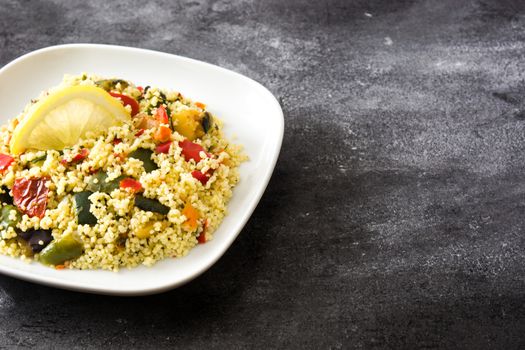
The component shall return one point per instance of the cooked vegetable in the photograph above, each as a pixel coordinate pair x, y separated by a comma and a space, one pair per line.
145, 121
202, 236
109, 84
30, 195
82, 205
192, 216
191, 150
202, 177
130, 184
5, 162
161, 115
207, 122
145, 230
189, 123
127, 101
25, 248
5, 197
80, 156
5, 220
39, 239
200, 105
63, 249
152, 205
163, 147
144, 155
98, 183
162, 134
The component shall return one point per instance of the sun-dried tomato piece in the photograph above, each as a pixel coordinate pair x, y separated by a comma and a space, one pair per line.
30, 196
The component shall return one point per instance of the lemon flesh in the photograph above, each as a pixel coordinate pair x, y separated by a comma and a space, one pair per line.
62, 118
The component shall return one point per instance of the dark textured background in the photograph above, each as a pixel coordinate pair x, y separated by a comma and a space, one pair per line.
395, 215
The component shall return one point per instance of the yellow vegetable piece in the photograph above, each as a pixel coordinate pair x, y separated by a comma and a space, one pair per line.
192, 217
62, 118
189, 123
145, 231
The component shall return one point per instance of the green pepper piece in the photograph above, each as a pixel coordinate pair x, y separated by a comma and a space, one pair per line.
60, 250
149, 204
5, 221
95, 184
144, 155
101, 185
82, 205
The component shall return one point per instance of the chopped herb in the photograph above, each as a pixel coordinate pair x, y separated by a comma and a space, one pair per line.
109, 84
162, 96
39, 159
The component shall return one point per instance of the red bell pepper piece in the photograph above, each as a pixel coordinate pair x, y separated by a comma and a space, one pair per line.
162, 115
128, 101
30, 196
84, 152
140, 132
5, 162
163, 147
191, 150
202, 237
132, 184
202, 177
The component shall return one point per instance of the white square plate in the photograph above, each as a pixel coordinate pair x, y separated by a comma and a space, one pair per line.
249, 111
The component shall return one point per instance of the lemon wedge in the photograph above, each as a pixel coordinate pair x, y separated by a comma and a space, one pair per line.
62, 118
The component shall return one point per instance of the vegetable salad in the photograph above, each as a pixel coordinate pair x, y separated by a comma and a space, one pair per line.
147, 186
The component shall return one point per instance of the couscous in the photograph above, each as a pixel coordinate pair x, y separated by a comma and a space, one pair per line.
99, 173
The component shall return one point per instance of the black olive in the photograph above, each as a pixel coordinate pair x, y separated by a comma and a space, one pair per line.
5, 197
207, 122
25, 234
39, 239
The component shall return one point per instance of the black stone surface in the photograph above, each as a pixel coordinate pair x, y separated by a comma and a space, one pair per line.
394, 218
